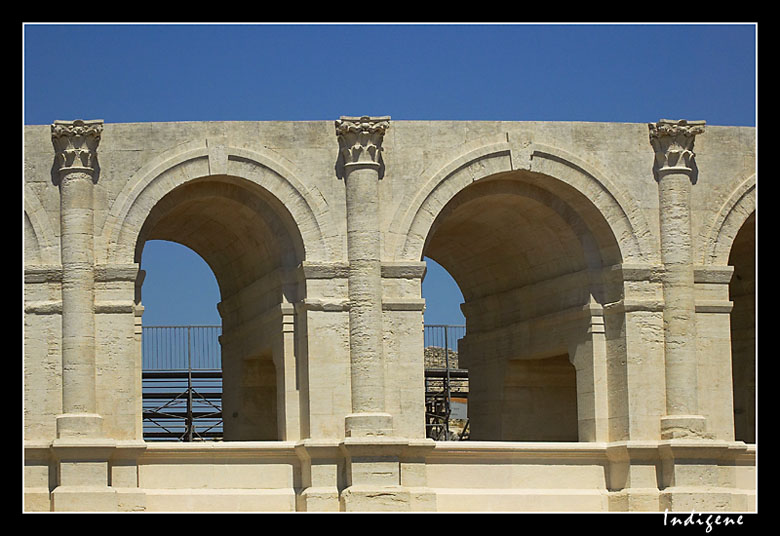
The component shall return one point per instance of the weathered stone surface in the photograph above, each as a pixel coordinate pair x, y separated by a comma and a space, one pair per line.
608, 274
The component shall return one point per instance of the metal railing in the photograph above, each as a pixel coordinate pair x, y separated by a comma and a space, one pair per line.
182, 382
443, 336
181, 347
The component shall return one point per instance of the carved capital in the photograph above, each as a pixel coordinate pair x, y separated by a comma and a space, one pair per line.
673, 145
75, 144
360, 138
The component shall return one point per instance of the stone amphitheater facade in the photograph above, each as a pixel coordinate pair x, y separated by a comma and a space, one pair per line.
608, 275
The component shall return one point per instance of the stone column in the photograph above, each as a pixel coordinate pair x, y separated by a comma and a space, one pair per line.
675, 172
76, 144
360, 141
81, 453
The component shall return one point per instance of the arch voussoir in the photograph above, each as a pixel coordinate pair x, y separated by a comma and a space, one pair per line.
150, 184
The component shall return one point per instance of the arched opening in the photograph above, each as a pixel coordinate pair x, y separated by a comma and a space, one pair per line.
181, 355
529, 266
251, 244
743, 330
446, 383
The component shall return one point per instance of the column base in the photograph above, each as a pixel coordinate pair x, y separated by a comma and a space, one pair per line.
368, 425
684, 427
79, 425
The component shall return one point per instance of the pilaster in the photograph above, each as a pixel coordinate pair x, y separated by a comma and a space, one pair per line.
714, 348
402, 318
590, 360
635, 354
322, 319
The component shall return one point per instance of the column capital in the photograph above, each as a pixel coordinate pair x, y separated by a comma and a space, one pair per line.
75, 143
360, 138
673, 145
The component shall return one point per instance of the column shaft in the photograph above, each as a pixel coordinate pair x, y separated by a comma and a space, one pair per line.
76, 144
365, 289
678, 286
360, 140
675, 172
78, 320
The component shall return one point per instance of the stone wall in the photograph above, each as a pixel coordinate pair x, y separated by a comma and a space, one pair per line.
595, 260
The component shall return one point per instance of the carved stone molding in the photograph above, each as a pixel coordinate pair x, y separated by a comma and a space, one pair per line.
673, 145
360, 138
75, 143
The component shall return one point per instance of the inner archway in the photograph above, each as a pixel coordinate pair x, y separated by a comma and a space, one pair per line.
251, 244
528, 266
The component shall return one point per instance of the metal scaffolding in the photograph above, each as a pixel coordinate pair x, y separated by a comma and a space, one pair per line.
446, 385
182, 383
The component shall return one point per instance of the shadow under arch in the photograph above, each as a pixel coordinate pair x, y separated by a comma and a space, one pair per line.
252, 245
240, 230
536, 270
742, 292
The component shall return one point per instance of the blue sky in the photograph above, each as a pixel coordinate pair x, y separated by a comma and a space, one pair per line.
512, 72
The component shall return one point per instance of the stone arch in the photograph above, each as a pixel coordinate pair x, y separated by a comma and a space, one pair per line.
537, 334
118, 236
259, 236
507, 188
252, 244
730, 240
251, 220
728, 221
590, 191
609, 208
